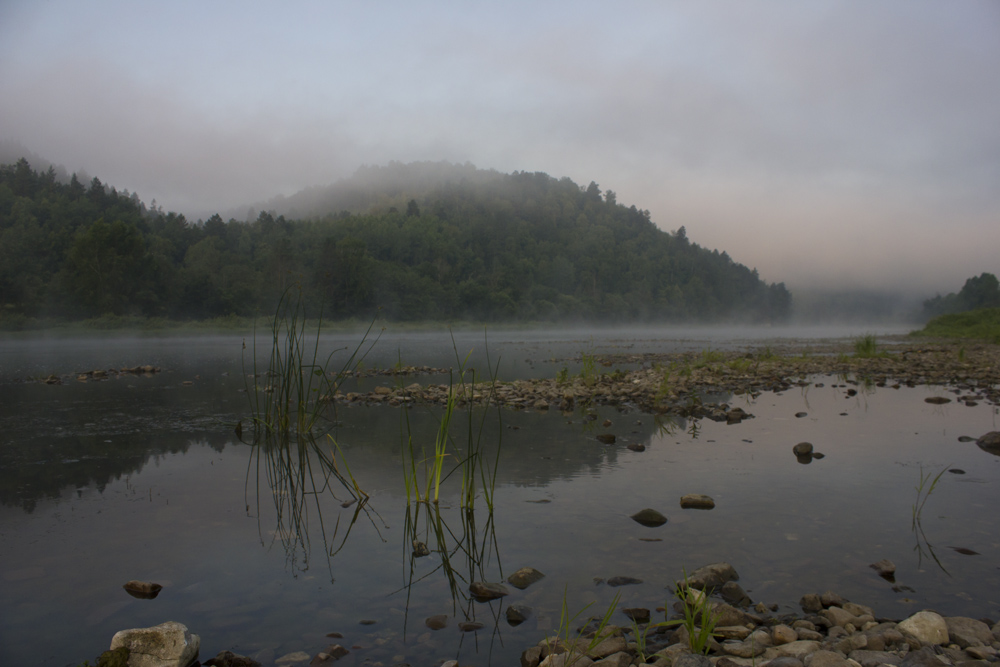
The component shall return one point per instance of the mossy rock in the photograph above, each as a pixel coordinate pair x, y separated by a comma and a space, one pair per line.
115, 658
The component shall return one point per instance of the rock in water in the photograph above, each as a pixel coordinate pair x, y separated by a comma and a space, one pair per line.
937, 400
803, 449
623, 581
712, 576
990, 442
517, 614
166, 645
144, 590
606, 438
698, 501
485, 591
230, 659
885, 569
524, 577
649, 518
436, 622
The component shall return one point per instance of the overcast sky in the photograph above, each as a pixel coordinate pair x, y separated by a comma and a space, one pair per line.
827, 144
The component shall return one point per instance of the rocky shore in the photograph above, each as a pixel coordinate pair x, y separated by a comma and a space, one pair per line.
686, 384
830, 632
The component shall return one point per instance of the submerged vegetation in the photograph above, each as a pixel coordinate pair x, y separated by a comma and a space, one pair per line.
421, 241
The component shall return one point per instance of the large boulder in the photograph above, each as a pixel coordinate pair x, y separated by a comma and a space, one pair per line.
165, 645
968, 632
926, 627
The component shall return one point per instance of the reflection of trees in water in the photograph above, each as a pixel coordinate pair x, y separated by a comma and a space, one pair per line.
304, 478
40, 469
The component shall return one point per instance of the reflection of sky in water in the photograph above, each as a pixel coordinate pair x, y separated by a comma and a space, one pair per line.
176, 513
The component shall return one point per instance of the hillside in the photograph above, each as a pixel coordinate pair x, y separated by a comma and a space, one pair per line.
420, 242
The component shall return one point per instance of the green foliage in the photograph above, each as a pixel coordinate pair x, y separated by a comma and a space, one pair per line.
982, 324
925, 487
981, 291
565, 634
472, 244
588, 369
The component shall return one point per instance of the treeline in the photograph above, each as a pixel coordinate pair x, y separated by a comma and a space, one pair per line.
520, 246
981, 291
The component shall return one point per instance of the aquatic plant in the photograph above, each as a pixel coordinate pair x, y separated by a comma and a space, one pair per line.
471, 464
588, 368
575, 645
296, 383
925, 487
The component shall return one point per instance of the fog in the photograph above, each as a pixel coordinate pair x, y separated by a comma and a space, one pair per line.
837, 146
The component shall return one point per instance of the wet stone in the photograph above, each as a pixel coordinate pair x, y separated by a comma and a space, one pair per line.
487, 591
436, 622
649, 518
517, 614
524, 577
698, 501
623, 581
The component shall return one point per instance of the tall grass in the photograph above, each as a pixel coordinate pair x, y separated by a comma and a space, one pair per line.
424, 471
296, 381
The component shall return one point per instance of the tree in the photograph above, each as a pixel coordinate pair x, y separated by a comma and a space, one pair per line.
104, 268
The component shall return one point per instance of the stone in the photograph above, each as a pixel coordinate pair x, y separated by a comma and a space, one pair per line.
744, 649
830, 599
738, 632
968, 632
166, 645
566, 660
786, 661
637, 614
858, 610
803, 449
811, 603
436, 622
885, 568
734, 594
623, 581
649, 518
517, 614
798, 649
692, 660
926, 627
531, 657
230, 659
854, 642
924, 657
874, 658
606, 438
608, 647
144, 590
824, 658
293, 658
698, 501
782, 634
989, 442
839, 616
524, 577
620, 659
487, 591
712, 576
726, 614
470, 626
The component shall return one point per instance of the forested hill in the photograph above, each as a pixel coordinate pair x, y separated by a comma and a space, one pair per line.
421, 242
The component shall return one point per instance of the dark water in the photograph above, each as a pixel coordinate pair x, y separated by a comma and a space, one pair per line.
142, 478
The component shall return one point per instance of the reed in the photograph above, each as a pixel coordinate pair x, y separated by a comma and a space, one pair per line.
297, 383
424, 472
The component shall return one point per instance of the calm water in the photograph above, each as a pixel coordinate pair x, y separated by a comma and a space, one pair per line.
142, 478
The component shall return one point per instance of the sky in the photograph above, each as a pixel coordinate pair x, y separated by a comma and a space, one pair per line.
830, 145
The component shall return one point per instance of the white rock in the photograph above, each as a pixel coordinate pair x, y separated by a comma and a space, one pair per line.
166, 645
926, 627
